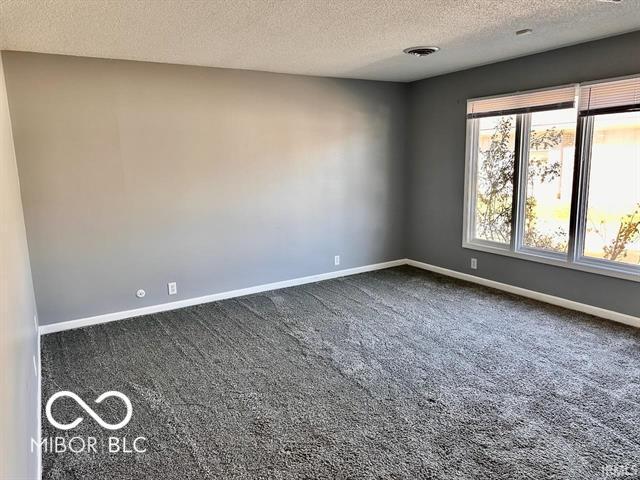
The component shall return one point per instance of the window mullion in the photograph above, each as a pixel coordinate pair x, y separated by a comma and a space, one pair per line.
523, 123
577, 225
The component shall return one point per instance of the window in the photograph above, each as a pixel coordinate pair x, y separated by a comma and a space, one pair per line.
613, 189
494, 180
548, 179
554, 176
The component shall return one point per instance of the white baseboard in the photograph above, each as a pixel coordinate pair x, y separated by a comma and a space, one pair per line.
110, 317
543, 297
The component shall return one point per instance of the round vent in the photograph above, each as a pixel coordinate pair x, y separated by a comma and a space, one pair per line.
420, 51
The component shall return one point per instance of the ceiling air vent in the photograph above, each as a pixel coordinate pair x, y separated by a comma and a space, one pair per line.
420, 51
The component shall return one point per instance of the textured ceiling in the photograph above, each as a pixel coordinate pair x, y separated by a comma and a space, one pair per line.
341, 38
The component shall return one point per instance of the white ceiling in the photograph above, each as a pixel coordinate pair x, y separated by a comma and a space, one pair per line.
338, 38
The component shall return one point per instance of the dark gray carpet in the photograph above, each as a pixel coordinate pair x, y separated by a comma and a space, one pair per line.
392, 374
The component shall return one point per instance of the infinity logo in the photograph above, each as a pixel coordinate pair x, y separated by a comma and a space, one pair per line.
88, 409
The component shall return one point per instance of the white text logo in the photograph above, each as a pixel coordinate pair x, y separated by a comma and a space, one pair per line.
89, 410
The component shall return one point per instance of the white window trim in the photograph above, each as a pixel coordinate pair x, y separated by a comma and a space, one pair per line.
547, 259
573, 259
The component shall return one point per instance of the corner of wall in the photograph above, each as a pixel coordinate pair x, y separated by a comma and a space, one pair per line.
20, 352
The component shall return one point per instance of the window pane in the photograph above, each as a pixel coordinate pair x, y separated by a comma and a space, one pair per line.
549, 179
494, 180
613, 205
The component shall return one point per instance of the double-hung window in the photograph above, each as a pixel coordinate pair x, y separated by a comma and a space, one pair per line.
553, 176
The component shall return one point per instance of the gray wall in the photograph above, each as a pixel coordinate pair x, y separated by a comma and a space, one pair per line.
18, 331
136, 174
437, 156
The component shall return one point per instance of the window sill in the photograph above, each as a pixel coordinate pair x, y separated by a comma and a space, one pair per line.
583, 265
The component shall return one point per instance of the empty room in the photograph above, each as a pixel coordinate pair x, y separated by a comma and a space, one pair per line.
318, 239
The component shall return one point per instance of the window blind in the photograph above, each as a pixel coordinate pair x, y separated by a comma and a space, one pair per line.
607, 95
531, 101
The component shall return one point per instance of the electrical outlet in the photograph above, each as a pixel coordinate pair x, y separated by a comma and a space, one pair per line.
474, 263
172, 287
336, 260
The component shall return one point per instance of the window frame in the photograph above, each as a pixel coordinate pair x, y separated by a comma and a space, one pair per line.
574, 258
586, 122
